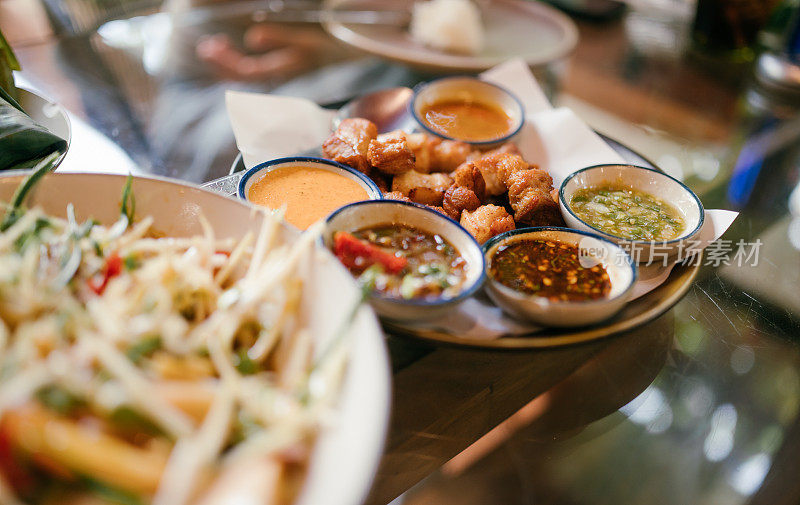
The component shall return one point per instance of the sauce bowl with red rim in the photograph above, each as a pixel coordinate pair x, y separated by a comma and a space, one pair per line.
654, 183
591, 252
387, 214
468, 90
302, 201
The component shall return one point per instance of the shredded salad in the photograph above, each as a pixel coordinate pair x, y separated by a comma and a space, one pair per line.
137, 368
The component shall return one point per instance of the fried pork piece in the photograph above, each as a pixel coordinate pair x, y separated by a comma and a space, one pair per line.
436, 155
507, 148
349, 144
437, 208
529, 194
496, 168
427, 189
468, 176
383, 181
390, 153
487, 221
419, 143
396, 195
457, 199
447, 155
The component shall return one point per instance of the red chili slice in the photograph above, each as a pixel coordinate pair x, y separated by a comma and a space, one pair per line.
111, 269
355, 253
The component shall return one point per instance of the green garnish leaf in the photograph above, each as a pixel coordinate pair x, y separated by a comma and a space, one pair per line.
143, 348
5, 50
128, 205
59, 400
244, 364
128, 419
22, 242
15, 211
112, 494
131, 262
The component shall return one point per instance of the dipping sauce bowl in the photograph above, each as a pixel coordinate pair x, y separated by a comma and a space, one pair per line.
390, 214
548, 295
467, 109
311, 188
656, 187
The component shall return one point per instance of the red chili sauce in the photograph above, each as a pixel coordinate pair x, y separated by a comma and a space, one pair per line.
548, 269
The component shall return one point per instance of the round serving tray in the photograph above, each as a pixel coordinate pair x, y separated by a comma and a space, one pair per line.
636, 313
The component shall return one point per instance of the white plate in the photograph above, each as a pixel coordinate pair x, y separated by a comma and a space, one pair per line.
529, 30
48, 114
347, 454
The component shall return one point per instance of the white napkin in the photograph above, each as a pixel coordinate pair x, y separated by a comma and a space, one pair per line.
270, 126
557, 140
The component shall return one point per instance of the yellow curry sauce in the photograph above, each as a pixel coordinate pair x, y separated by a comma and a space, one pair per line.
309, 193
467, 120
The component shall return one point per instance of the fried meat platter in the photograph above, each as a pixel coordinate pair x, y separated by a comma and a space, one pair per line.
487, 192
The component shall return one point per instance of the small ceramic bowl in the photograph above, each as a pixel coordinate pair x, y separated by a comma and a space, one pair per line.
468, 89
360, 215
258, 171
622, 273
653, 182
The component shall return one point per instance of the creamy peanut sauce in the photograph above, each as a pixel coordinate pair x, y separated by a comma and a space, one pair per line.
309, 193
470, 121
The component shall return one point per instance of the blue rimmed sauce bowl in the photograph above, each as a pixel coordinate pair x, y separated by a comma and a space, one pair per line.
371, 214
594, 250
645, 180
311, 188
468, 90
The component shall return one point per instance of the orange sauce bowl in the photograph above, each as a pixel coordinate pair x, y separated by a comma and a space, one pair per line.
467, 109
310, 188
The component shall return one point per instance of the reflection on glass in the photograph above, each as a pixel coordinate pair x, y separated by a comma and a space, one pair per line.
749, 475
719, 442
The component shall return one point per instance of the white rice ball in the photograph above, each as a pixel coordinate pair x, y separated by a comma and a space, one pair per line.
448, 25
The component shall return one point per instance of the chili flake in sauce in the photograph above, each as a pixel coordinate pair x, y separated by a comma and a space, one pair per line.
548, 269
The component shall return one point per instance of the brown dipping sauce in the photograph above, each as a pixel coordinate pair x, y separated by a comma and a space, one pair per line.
309, 193
548, 269
467, 120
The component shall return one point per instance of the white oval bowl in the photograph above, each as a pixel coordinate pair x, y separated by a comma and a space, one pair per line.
621, 270
360, 215
468, 89
346, 455
653, 182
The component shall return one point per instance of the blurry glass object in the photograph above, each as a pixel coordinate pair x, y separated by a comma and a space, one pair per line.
782, 31
771, 126
76, 17
659, 27
729, 28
